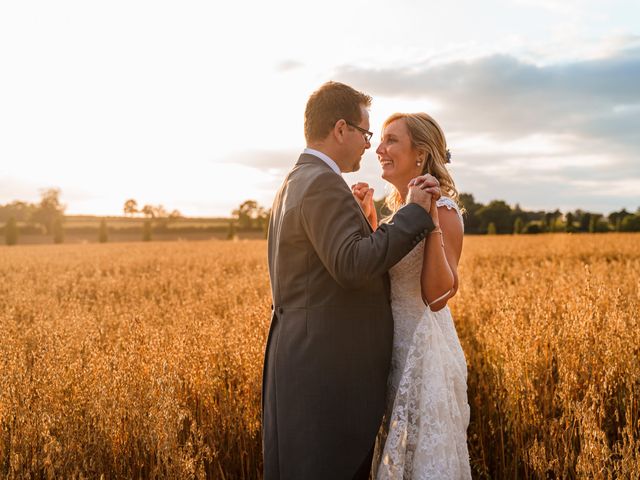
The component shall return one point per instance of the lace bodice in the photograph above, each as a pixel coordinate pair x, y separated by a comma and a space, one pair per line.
406, 295
424, 433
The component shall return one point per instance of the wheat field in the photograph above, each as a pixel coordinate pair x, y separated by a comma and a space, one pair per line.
144, 360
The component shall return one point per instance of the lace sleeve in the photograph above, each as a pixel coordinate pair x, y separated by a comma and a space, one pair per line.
450, 204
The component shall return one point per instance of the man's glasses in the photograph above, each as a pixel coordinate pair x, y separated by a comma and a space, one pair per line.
366, 133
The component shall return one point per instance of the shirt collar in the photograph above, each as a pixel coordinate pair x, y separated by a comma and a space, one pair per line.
325, 158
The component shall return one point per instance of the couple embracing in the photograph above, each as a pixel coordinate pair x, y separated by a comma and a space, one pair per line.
364, 374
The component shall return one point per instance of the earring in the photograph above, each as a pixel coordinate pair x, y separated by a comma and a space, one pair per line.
418, 162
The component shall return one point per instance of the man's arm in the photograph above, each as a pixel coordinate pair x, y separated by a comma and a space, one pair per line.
332, 223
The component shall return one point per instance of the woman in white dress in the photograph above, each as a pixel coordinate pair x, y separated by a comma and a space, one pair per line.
424, 432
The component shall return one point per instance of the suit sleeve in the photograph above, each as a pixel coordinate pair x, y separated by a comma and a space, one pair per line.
333, 225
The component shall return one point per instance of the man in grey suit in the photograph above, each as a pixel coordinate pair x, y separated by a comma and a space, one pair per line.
329, 348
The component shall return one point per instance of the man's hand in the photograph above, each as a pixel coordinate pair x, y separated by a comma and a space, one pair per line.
419, 196
428, 183
364, 196
424, 191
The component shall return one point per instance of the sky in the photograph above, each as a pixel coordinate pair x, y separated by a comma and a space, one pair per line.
199, 106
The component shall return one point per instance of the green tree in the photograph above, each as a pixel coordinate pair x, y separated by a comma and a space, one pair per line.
631, 223
596, 225
584, 220
498, 213
533, 228
615, 218
11, 231
146, 231
472, 224
491, 229
103, 233
569, 226
518, 225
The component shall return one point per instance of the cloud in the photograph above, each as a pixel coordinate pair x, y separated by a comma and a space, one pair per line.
272, 161
561, 124
504, 96
289, 65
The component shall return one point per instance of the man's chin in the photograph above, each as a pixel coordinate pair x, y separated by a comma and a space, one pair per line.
354, 168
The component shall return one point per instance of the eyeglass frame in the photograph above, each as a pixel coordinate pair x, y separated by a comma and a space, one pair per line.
367, 134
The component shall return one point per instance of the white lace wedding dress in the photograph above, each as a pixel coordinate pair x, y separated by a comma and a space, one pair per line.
424, 434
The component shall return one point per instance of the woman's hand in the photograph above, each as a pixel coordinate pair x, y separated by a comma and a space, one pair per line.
364, 196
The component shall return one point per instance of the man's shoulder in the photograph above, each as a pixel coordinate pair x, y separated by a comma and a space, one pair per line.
307, 173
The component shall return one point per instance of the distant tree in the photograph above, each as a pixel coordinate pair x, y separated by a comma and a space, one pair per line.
597, 225
155, 211
630, 223
251, 215
533, 228
491, 229
21, 211
569, 222
263, 221
245, 213
471, 220
231, 232
50, 210
498, 213
147, 211
146, 231
551, 220
584, 221
130, 207
103, 234
11, 231
58, 230
615, 218
175, 214
518, 225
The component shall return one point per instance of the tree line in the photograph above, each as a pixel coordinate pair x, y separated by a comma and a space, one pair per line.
496, 217
47, 217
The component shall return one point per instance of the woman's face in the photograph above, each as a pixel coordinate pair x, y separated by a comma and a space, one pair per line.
397, 156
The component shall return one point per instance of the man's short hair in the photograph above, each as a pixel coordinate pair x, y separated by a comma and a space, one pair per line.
331, 102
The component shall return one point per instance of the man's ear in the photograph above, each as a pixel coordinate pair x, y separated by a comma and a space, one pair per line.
339, 130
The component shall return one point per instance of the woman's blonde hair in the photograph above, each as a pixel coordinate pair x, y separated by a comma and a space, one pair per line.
426, 137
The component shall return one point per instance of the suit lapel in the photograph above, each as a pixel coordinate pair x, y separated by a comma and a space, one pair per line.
308, 158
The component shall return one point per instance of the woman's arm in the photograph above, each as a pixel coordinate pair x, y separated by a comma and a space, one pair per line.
442, 250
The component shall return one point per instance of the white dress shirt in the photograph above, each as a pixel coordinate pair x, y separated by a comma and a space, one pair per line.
325, 158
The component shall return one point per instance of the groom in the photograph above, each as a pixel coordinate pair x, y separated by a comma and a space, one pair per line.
329, 347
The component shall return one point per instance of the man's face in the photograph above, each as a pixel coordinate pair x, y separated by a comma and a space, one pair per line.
356, 142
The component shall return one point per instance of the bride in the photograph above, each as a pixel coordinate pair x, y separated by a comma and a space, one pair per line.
424, 432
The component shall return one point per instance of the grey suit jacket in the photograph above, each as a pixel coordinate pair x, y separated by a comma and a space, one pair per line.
329, 348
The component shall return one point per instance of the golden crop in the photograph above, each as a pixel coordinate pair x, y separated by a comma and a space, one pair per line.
145, 360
